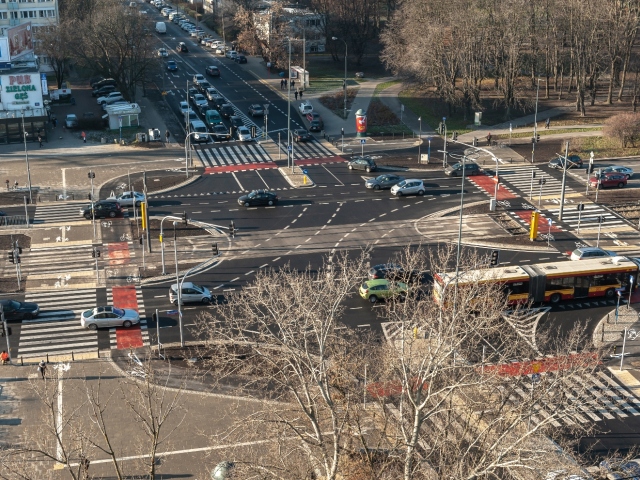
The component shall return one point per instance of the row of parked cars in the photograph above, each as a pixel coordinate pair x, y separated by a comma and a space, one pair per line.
613, 176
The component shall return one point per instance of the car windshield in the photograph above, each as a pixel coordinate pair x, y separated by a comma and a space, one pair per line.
118, 311
87, 313
456, 166
402, 183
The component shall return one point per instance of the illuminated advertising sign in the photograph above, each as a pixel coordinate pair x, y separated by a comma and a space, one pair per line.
21, 91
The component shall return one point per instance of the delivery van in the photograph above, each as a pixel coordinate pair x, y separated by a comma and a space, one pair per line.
161, 27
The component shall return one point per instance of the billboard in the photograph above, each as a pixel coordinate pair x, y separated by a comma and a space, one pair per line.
21, 92
20, 40
4, 50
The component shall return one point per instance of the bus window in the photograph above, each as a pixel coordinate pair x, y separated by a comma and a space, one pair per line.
516, 288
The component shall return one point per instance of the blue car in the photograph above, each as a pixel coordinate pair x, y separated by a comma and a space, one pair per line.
172, 66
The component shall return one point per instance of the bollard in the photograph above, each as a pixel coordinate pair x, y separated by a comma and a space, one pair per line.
47, 358
602, 332
304, 179
73, 359
22, 361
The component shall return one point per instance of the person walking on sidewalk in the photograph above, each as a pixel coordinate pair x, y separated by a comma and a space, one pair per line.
4, 357
295, 94
42, 368
301, 94
40, 140
547, 123
84, 137
489, 139
282, 84
166, 136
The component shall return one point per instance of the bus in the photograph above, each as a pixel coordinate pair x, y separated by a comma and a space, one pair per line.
550, 282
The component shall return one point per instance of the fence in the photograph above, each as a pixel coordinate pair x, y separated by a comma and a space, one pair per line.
13, 221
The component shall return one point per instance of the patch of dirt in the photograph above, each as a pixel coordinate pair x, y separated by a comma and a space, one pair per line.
24, 241
335, 101
379, 115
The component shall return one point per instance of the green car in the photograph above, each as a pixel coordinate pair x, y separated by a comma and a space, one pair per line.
373, 290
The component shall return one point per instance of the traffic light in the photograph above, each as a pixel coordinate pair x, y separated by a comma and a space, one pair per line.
495, 257
537, 138
533, 139
95, 253
232, 229
342, 131
542, 181
590, 169
253, 131
11, 257
91, 174
533, 174
185, 220
154, 317
455, 135
475, 142
88, 196
580, 207
214, 249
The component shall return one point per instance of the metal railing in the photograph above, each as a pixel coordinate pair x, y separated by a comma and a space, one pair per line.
13, 221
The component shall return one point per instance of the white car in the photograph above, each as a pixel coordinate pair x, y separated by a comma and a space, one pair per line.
162, 52
232, 54
110, 98
126, 199
212, 93
305, 107
410, 186
198, 77
109, 317
220, 50
184, 107
244, 134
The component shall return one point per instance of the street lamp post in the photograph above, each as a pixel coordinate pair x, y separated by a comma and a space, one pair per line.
344, 86
420, 140
175, 253
289, 147
26, 157
535, 125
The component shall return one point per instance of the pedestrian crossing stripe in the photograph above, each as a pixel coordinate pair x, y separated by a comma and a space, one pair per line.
232, 155
57, 259
310, 149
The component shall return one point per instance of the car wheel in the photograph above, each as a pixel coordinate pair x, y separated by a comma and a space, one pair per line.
555, 298
246, 204
126, 324
27, 316
373, 299
420, 192
270, 202
399, 194
454, 174
368, 169
92, 326
350, 167
112, 214
376, 187
206, 300
609, 294
621, 184
88, 217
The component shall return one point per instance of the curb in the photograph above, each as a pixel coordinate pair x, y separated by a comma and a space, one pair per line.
179, 185
600, 337
286, 177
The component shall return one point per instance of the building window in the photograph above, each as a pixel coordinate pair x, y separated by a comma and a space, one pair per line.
3, 15
14, 15
28, 14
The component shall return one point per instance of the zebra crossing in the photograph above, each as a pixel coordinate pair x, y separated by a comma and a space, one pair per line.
520, 177
238, 154
59, 212
588, 218
312, 149
57, 330
143, 320
58, 259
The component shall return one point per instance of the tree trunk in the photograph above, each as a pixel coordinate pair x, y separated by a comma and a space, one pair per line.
611, 80
625, 66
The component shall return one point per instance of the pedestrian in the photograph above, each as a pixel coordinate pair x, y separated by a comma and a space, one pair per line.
285, 83
84, 137
301, 94
55, 122
4, 357
167, 135
40, 140
42, 368
547, 123
489, 139
15, 185
293, 83
295, 94
7, 184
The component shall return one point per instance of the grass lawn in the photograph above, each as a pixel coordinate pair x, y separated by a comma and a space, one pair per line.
543, 132
602, 147
326, 75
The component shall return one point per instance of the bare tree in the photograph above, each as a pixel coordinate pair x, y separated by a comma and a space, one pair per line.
56, 43
624, 127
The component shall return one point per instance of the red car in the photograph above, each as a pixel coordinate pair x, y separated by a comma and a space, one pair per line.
612, 179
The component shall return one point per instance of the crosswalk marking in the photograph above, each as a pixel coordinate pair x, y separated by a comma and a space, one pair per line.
312, 149
239, 154
588, 217
143, 320
520, 178
58, 259
57, 329
63, 212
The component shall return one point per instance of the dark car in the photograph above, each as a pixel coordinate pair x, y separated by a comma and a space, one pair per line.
362, 163
391, 271
301, 135
311, 116
218, 100
202, 86
99, 92
382, 182
212, 71
240, 59
102, 209
182, 47
192, 92
316, 125
14, 310
235, 122
220, 133
574, 161
172, 66
256, 110
226, 110
258, 197
103, 82
470, 169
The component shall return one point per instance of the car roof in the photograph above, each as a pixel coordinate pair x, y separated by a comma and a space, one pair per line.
377, 281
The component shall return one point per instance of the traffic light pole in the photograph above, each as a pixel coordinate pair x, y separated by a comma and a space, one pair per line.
564, 180
146, 210
6, 332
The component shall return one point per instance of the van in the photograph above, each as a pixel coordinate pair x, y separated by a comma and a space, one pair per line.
161, 27
190, 293
200, 130
470, 168
212, 117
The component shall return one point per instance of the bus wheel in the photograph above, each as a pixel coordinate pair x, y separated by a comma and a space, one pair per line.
609, 294
555, 298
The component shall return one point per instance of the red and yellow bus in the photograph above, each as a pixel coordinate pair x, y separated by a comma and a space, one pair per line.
551, 282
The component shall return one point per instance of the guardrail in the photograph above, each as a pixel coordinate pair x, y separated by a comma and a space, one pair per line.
13, 221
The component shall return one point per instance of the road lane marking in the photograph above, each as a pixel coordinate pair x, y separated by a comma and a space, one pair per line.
265, 265
276, 259
337, 179
248, 273
219, 286
237, 278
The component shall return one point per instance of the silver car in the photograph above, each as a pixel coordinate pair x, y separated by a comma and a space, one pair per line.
100, 317
410, 186
190, 293
628, 172
125, 199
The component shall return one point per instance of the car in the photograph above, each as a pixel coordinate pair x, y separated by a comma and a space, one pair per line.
226, 110
172, 66
109, 316
190, 116
184, 107
311, 116
126, 199
382, 289
586, 253
203, 86
199, 130
212, 117
15, 310
625, 170
232, 54
470, 168
194, 33
574, 161
365, 163
198, 77
305, 108
220, 50
258, 197
605, 180
409, 186
113, 96
383, 182
211, 93
162, 52
200, 101
240, 59
212, 71
192, 92
71, 121
102, 209
182, 47
218, 100
104, 90
103, 82
244, 134
220, 133
189, 293
392, 271
300, 135
236, 122
204, 39
256, 110
115, 102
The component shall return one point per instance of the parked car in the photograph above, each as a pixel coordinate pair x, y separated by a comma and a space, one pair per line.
212, 71
103, 82
383, 182
256, 110
301, 135
172, 66
162, 52
365, 163
221, 133
198, 77
240, 59
606, 180
182, 47
226, 110
258, 197
624, 170
190, 293
574, 161
220, 50
15, 310
126, 199
305, 107
374, 290
586, 253
111, 97
109, 316
470, 168
71, 121
232, 54
244, 134
411, 186
104, 90
102, 209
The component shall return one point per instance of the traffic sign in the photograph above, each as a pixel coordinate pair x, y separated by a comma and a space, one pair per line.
363, 141
305, 172
535, 378
289, 148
